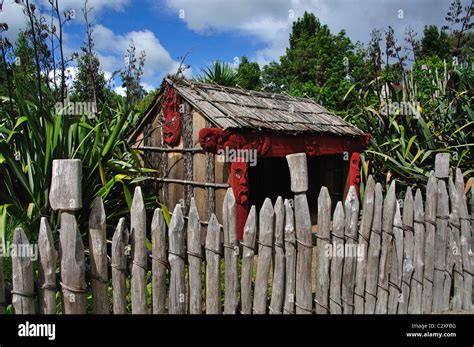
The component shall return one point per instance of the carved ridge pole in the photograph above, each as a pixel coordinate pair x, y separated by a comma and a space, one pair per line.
66, 196
299, 186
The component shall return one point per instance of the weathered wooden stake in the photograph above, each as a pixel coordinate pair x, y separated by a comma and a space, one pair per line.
415, 301
299, 185
248, 252
194, 259
351, 211
231, 253
213, 285
47, 258
387, 238
453, 254
139, 255
265, 241
408, 251
119, 268
23, 294
364, 235
278, 286
159, 261
177, 296
466, 233
98, 257
430, 227
322, 256
395, 272
335, 302
290, 256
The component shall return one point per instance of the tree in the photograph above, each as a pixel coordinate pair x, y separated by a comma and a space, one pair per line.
90, 83
248, 74
434, 43
132, 75
317, 64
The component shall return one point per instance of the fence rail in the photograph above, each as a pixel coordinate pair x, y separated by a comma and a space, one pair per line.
381, 255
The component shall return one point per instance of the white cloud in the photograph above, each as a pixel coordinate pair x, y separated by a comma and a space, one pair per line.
112, 48
270, 21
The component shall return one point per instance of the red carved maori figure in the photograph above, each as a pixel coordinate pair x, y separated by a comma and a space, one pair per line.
171, 117
239, 182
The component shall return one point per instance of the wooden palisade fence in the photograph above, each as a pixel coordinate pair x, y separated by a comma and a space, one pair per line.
408, 256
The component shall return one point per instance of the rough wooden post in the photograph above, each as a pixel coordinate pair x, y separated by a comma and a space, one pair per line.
66, 195
290, 256
278, 285
98, 256
23, 294
395, 272
159, 262
335, 302
374, 253
119, 268
139, 255
465, 239
248, 252
231, 253
265, 241
351, 211
213, 273
194, 259
177, 296
408, 251
430, 227
453, 254
47, 258
364, 235
442, 217
387, 237
299, 186
322, 255
416, 292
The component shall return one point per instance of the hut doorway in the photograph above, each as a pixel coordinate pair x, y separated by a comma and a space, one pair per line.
271, 178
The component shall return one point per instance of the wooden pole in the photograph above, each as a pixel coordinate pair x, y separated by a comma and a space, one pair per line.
159, 262
290, 256
66, 195
177, 297
213, 285
248, 252
139, 255
408, 251
195, 260
47, 258
299, 185
119, 268
278, 285
231, 253
323, 258
98, 257
335, 302
23, 294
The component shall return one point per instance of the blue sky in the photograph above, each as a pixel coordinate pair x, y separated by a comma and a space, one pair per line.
220, 29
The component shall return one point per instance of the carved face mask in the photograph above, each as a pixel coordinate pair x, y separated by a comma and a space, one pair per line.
171, 118
239, 182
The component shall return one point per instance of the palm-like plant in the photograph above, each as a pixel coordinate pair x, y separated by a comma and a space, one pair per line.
218, 73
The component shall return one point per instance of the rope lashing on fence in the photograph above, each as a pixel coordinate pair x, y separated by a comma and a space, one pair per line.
279, 245
243, 244
100, 279
408, 228
334, 301
454, 225
323, 238
347, 303
381, 287
49, 286
304, 244
366, 239
429, 221
232, 247
73, 289
419, 221
303, 308
414, 279
118, 268
213, 251
353, 238
179, 255
371, 294
377, 232
141, 266
159, 260
291, 242
195, 255
265, 244
442, 217
394, 285
24, 294
467, 219
321, 305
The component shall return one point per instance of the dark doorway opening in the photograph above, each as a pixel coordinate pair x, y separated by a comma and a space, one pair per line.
270, 178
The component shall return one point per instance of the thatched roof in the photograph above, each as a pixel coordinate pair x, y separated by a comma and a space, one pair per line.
234, 108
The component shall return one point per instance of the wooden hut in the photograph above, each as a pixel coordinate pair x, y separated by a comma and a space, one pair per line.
204, 138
